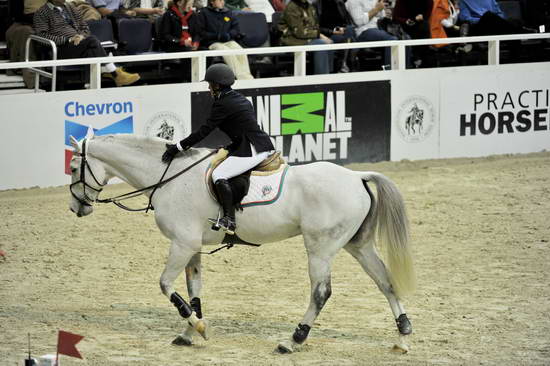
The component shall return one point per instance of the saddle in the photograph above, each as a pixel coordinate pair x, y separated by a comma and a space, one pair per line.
273, 164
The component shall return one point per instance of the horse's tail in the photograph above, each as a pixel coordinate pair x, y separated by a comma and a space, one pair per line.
388, 218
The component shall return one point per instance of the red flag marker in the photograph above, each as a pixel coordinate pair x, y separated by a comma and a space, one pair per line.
66, 344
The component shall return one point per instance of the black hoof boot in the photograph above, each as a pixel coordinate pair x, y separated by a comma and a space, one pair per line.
404, 325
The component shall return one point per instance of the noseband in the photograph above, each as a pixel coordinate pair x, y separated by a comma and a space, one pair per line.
86, 201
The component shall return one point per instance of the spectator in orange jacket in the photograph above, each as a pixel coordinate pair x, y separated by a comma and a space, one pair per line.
443, 20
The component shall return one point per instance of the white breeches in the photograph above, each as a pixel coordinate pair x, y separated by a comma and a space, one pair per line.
235, 165
239, 63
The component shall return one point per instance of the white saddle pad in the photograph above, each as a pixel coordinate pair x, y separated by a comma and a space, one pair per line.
265, 190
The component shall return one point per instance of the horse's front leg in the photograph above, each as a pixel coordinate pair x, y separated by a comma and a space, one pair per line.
178, 258
194, 286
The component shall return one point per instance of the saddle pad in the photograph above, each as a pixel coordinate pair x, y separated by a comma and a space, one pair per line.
265, 190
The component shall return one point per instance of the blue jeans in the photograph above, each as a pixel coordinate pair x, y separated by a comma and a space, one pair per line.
373, 34
322, 60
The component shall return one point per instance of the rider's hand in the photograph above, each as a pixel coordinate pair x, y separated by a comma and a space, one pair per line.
171, 151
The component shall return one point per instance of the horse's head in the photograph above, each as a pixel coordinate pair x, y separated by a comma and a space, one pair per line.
87, 179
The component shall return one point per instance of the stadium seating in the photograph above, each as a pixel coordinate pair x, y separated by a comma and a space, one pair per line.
103, 30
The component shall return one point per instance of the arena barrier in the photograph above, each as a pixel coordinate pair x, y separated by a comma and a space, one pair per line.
357, 117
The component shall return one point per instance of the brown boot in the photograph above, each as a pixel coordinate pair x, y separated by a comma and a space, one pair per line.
122, 77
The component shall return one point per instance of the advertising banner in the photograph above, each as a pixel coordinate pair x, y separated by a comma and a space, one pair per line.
342, 123
508, 112
36, 128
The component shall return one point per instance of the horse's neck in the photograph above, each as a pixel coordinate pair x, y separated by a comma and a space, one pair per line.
138, 165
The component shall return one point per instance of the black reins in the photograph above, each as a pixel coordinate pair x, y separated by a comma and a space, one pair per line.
116, 200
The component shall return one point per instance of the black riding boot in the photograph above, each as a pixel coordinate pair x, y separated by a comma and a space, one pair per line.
227, 222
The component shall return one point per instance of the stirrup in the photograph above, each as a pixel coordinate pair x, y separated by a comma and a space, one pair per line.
215, 222
228, 226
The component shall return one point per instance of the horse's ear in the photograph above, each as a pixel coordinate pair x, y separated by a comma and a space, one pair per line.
75, 144
90, 133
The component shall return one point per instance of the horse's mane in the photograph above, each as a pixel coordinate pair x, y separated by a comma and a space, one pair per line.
152, 146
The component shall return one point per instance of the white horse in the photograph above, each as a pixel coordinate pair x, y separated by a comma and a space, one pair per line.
331, 206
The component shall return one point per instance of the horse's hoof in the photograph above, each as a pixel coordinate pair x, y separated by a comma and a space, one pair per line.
400, 347
182, 341
201, 327
284, 347
404, 325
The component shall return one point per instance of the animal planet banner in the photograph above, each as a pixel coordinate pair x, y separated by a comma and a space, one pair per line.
342, 123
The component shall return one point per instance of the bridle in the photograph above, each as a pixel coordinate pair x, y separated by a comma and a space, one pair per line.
86, 201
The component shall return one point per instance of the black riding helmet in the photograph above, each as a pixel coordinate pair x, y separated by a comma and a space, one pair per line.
220, 74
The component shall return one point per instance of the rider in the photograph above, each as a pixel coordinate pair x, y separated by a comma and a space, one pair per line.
233, 114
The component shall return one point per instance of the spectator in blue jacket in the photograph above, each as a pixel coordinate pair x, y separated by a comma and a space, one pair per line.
218, 29
484, 18
471, 11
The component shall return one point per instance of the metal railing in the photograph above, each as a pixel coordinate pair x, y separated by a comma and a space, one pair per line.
198, 58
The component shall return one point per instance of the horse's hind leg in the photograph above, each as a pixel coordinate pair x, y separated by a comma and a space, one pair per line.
194, 286
367, 256
319, 274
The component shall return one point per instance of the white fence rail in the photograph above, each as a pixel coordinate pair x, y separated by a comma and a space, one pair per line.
198, 58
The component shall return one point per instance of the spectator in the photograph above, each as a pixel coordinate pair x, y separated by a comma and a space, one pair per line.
484, 18
17, 34
366, 14
414, 15
299, 26
151, 9
443, 20
218, 29
333, 15
177, 28
60, 22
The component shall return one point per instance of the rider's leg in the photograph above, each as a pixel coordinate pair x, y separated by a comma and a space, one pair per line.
229, 168
225, 194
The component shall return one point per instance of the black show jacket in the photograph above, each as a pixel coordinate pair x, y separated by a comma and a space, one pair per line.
233, 114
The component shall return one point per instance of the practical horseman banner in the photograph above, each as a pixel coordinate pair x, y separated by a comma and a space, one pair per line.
343, 123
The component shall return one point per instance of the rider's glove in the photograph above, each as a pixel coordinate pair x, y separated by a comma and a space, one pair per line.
171, 151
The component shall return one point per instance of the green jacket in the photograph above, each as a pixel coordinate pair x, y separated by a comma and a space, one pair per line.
299, 24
